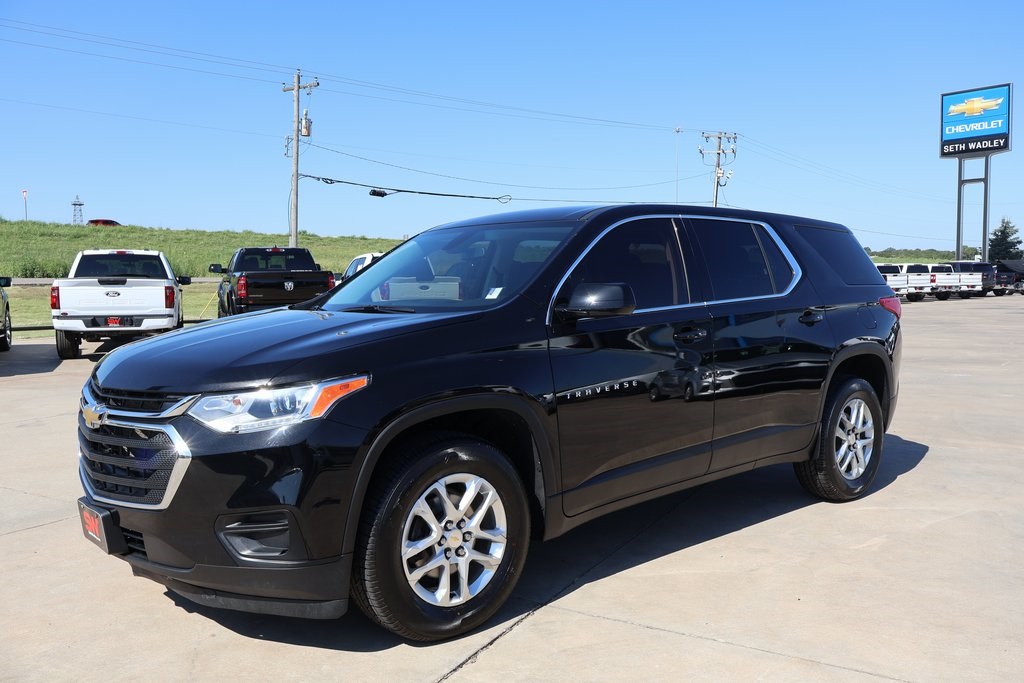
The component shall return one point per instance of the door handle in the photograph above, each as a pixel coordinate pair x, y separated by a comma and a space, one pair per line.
689, 336
811, 316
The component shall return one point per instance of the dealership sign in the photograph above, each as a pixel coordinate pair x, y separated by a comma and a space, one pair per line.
976, 122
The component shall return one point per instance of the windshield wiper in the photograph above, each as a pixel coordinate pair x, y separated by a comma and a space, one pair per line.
374, 308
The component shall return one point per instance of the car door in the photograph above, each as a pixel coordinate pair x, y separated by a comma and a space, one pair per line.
771, 341
632, 391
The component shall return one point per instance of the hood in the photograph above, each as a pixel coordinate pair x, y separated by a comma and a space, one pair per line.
249, 350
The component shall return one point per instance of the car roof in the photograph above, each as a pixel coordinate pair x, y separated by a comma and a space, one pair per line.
570, 213
93, 252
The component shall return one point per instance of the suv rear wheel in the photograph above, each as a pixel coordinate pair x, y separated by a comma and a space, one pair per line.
850, 444
444, 539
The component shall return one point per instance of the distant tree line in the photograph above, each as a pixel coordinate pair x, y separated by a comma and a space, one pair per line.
1003, 244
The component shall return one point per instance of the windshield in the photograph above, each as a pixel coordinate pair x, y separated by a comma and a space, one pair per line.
457, 268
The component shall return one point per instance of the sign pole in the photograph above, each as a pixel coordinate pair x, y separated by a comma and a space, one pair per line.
975, 124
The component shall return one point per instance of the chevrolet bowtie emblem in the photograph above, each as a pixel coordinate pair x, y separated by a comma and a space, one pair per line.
974, 106
94, 415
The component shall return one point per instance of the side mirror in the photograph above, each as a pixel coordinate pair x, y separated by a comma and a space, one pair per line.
5, 282
216, 268
184, 280
598, 300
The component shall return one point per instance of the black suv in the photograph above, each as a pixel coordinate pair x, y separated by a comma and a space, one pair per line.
399, 438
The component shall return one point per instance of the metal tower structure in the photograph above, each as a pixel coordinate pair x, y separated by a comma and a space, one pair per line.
76, 216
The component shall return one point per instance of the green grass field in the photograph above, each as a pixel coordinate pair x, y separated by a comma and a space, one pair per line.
33, 249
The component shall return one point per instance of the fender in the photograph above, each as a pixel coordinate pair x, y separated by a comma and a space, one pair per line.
543, 455
864, 346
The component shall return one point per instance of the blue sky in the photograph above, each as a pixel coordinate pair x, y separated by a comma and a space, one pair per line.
172, 114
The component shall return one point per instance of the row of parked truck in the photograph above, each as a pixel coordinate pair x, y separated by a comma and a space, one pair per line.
128, 293
942, 280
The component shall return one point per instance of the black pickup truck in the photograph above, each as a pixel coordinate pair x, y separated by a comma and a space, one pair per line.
258, 278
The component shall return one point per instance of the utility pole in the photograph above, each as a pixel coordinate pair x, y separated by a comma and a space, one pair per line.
721, 177
677, 130
302, 127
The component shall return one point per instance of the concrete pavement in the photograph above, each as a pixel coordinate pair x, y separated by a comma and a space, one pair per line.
742, 579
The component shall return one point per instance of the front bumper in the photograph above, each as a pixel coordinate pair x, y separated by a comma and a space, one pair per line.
257, 529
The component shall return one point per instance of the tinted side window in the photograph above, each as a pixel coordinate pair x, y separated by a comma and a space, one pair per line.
735, 260
843, 252
643, 254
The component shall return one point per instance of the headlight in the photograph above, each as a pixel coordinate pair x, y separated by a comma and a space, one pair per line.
260, 409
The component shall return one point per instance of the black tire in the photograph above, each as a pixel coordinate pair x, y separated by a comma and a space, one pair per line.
999, 292
942, 296
402, 494
7, 332
68, 345
837, 472
964, 295
916, 296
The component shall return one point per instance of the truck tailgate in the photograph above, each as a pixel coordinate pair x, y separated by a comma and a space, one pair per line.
273, 289
111, 296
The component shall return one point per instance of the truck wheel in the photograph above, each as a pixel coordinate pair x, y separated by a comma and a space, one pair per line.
915, 296
443, 539
7, 333
999, 292
941, 296
67, 345
964, 295
849, 446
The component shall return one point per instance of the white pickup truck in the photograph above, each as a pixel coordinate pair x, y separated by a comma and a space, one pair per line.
114, 293
915, 280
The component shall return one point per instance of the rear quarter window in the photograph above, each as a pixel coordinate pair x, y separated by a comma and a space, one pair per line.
841, 250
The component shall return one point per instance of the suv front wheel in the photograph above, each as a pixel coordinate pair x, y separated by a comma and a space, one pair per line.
849, 446
443, 540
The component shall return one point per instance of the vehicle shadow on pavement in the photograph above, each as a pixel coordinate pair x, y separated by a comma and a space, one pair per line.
602, 548
39, 358
28, 359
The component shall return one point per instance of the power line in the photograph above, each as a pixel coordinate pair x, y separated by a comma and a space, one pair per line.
504, 109
139, 61
139, 118
504, 199
489, 182
815, 168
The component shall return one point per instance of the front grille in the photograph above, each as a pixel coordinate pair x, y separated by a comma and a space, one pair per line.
134, 401
130, 454
128, 463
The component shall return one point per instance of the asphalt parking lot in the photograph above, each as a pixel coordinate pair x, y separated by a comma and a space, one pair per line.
743, 579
